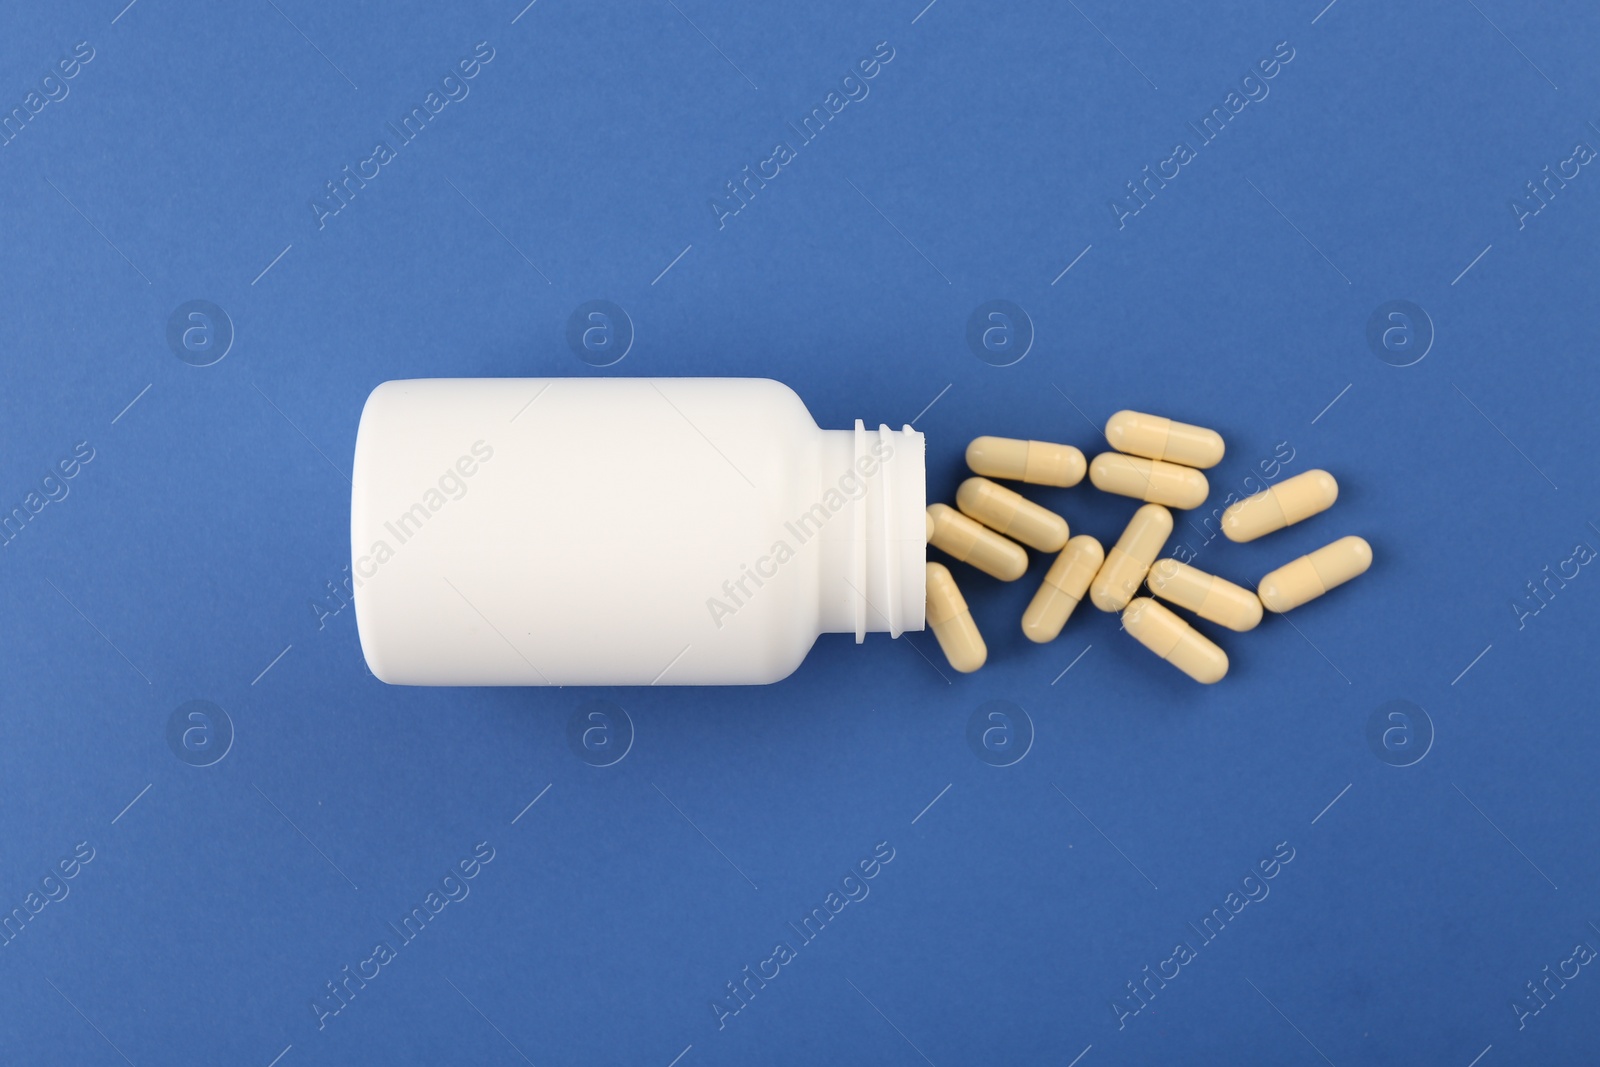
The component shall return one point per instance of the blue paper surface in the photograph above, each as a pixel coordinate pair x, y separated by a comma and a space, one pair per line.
1355, 236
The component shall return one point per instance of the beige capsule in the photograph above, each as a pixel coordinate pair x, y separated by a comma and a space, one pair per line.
1150, 480
1156, 627
1034, 462
1064, 585
1156, 437
1284, 504
1129, 559
1213, 599
952, 623
974, 543
1009, 512
1313, 574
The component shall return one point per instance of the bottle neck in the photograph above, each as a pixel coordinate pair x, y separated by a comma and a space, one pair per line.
872, 573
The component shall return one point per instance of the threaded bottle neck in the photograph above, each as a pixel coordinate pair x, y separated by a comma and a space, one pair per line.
871, 577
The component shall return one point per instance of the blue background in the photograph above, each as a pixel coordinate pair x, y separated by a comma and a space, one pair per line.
198, 555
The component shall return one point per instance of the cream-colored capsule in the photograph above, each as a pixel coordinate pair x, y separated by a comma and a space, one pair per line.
1155, 437
1281, 505
974, 543
1155, 627
1130, 558
1150, 480
952, 623
1214, 599
1034, 462
1313, 574
1012, 514
1064, 585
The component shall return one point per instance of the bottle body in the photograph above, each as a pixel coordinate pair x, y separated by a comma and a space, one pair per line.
623, 531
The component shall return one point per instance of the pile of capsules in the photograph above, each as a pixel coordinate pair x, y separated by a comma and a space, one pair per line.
1159, 462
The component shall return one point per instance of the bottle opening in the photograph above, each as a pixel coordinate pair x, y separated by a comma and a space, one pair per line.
874, 578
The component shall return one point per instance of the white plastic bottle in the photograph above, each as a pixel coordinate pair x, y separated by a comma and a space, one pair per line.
624, 531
